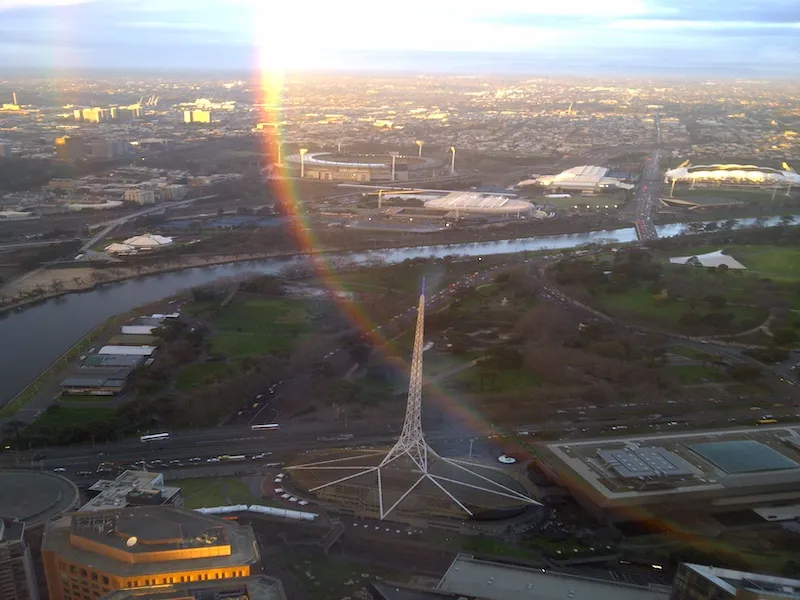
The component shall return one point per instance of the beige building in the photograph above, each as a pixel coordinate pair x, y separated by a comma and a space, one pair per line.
89, 555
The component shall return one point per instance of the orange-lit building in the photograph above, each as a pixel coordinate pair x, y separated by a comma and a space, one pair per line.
88, 555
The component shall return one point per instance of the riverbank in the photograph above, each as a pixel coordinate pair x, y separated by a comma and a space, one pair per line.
45, 284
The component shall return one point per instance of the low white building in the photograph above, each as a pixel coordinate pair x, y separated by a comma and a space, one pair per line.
139, 243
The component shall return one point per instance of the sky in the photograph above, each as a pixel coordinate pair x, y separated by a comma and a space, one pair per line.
637, 37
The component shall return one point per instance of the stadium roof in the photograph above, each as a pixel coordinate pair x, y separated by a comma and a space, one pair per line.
744, 456
733, 172
478, 202
645, 462
583, 177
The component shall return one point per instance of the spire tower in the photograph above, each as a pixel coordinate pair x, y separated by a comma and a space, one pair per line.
411, 466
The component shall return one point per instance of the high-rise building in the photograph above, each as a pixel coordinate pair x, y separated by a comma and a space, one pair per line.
70, 148
17, 578
89, 555
197, 116
699, 582
140, 196
124, 114
95, 115
5, 150
105, 149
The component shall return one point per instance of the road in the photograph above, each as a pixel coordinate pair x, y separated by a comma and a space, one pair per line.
109, 226
647, 194
202, 451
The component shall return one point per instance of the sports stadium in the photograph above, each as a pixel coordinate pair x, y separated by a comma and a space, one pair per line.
340, 166
733, 174
479, 203
586, 178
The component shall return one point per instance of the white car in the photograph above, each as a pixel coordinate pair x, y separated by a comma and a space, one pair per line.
195, 459
60, 470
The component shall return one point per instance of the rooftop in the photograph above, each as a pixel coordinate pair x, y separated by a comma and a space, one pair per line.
33, 497
744, 456
151, 539
645, 462
115, 494
731, 581
496, 581
259, 587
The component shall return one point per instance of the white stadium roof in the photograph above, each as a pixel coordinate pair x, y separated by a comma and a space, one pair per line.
583, 177
733, 173
475, 202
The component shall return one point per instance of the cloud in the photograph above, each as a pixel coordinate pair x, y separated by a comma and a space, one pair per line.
364, 34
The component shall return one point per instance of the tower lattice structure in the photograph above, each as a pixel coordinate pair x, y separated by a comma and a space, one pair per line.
412, 455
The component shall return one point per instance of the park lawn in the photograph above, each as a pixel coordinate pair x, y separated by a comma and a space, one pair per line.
504, 380
245, 344
768, 261
263, 316
195, 307
214, 491
67, 417
200, 373
692, 353
695, 373
638, 302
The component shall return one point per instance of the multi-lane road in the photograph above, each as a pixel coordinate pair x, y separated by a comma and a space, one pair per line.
646, 196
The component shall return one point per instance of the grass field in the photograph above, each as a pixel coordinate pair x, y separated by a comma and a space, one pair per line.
697, 373
68, 416
768, 261
215, 491
201, 373
254, 326
495, 380
271, 317
639, 302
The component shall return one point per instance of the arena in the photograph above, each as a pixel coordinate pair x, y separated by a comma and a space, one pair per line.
476, 202
586, 178
733, 174
362, 168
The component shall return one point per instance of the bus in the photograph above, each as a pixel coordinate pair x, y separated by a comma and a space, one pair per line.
237, 457
153, 437
767, 421
265, 426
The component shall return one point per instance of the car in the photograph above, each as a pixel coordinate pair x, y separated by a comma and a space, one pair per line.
59, 470
195, 459
84, 473
212, 460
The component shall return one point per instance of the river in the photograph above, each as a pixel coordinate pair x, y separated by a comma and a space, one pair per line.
31, 339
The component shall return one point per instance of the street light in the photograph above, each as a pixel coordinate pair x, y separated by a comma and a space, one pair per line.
420, 143
393, 154
303, 152
453, 161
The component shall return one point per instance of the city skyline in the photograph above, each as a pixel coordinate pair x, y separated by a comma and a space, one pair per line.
635, 37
